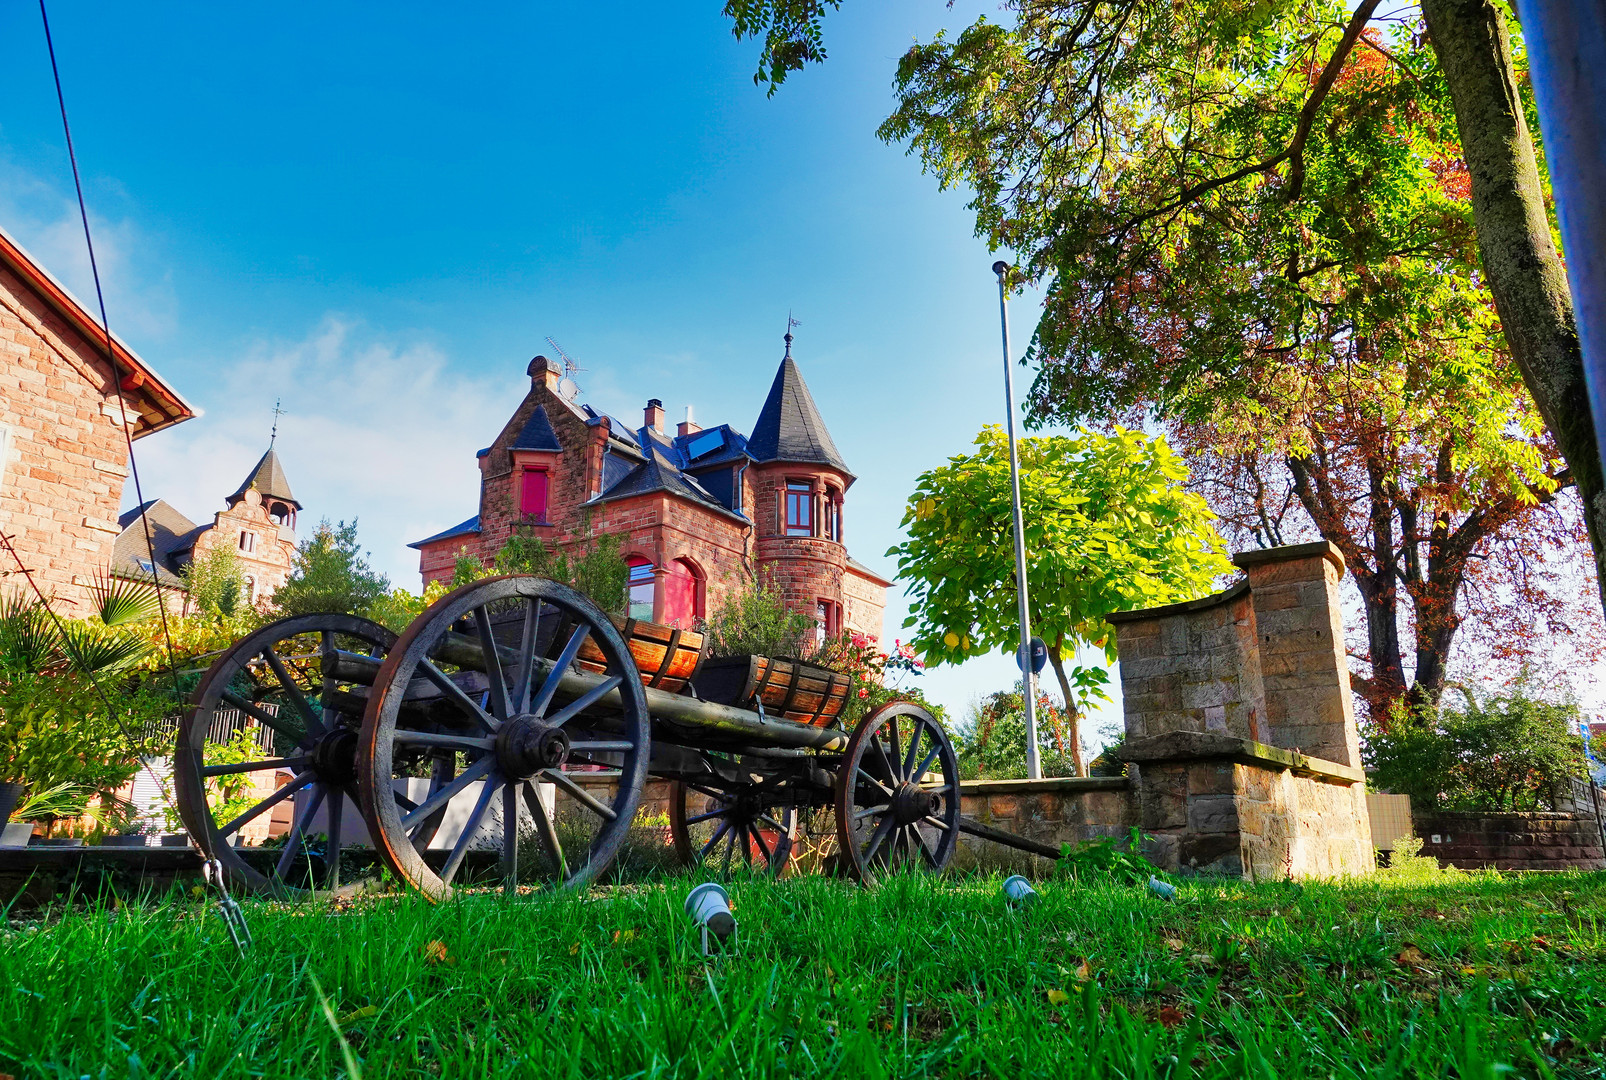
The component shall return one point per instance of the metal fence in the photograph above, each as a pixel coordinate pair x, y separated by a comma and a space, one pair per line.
226, 725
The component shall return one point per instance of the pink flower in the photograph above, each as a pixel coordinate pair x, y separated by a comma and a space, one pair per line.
864, 691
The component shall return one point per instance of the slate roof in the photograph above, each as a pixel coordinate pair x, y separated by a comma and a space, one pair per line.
269, 480
537, 433
463, 528
172, 534
789, 427
658, 473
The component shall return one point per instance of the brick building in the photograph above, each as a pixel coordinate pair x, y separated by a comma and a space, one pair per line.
702, 509
63, 453
258, 522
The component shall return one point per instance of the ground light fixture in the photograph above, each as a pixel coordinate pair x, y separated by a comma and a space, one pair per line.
710, 908
1163, 889
1017, 890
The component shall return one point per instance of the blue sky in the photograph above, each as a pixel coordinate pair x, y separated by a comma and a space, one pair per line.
378, 215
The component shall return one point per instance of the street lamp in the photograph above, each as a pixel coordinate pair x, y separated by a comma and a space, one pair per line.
1028, 673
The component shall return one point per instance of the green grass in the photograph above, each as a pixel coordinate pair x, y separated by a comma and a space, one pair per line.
1471, 976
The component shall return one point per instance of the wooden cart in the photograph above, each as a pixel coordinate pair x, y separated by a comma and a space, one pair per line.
508, 692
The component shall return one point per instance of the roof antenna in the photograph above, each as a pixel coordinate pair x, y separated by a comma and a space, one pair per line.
790, 322
277, 412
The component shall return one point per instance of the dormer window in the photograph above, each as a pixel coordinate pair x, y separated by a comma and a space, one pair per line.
799, 508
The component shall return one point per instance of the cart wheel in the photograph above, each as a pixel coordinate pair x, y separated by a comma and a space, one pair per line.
264, 708
471, 676
738, 826
897, 794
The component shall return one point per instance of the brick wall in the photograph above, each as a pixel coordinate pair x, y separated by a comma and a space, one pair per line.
65, 458
1515, 841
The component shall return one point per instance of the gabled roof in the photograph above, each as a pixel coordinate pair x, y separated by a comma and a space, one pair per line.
157, 404
537, 433
789, 427
464, 528
269, 480
171, 533
658, 473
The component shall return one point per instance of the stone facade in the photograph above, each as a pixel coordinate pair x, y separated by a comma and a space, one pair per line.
1051, 811
1513, 841
63, 453
705, 521
1240, 728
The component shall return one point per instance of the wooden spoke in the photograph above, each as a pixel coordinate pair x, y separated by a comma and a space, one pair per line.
571, 650
868, 810
877, 838
298, 832
706, 817
445, 795
579, 794
455, 694
914, 748
925, 766
584, 701
471, 827
936, 822
255, 766
545, 829
510, 837
772, 823
455, 742
526, 671
926, 849
331, 855
292, 691
296, 783
277, 723
881, 830
888, 791
493, 664
881, 751
758, 838
721, 831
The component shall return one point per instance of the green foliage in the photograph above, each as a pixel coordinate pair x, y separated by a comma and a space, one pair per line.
1507, 752
1408, 864
1108, 528
120, 601
1109, 859
55, 729
32, 642
331, 574
216, 582
596, 568
753, 619
991, 740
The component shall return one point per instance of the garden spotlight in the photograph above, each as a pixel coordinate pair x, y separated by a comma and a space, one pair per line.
709, 906
1017, 890
1163, 889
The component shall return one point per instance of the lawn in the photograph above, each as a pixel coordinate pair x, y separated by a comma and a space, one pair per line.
1465, 976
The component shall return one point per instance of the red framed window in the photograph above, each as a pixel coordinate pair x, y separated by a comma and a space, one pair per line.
799, 508
642, 584
532, 494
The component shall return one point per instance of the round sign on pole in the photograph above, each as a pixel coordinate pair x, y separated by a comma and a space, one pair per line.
1039, 655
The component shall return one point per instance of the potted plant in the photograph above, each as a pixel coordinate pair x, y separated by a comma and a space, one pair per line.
758, 650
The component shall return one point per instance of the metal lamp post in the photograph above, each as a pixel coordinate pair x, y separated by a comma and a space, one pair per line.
1028, 674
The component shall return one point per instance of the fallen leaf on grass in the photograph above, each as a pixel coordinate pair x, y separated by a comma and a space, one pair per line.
1411, 957
435, 953
1174, 944
1084, 972
1170, 1016
1058, 997
623, 937
1203, 959
574, 948
360, 1014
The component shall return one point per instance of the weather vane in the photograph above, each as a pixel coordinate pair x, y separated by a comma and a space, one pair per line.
790, 322
277, 412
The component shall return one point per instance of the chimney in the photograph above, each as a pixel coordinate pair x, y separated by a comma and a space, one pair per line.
544, 372
688, 425
655, 415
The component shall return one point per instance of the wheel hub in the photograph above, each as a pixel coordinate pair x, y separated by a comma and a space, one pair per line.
912, 803
334, 758
526, 745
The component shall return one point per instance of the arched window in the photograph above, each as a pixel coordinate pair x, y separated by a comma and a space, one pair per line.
684, 594
641, 587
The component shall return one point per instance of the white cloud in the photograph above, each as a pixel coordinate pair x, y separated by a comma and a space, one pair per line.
379, 430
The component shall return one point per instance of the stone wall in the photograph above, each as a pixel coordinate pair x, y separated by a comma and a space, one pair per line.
1514, 841
1052, 811
1228, 701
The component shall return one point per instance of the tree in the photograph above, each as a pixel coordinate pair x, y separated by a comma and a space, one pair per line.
1108, 528
215, 582
1041, 121
331, 574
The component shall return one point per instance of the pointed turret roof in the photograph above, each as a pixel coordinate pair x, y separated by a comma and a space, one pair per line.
269, 480
789, 427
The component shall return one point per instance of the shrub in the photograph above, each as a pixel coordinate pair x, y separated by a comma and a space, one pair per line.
331, 574
1506, 753
755, 620
991, 740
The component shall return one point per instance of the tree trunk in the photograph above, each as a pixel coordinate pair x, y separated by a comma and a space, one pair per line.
1508, 210
1071, 711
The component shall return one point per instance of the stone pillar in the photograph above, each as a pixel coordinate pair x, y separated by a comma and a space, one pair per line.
1300, 638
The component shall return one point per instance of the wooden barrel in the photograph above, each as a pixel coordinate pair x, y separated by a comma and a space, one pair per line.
789, 688
666, 657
